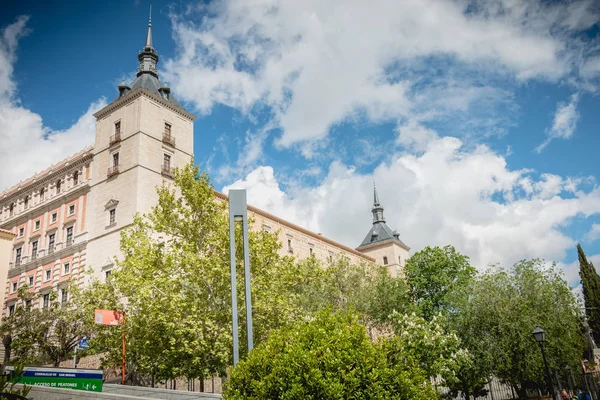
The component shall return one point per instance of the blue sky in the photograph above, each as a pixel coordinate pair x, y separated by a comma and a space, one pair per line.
477, 120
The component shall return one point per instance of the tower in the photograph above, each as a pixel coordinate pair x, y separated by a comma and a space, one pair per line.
382, 243
140, 137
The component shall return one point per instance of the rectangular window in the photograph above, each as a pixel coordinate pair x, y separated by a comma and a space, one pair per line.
53, 217
14, 287
72, 209
266, 228
117, 127
42, 193
26, 203
58, 186
18, 256
11, 309
289, 245
34, 250
66, 268
115, 159
48, 275
30, 281
69, 236
167, 161
64, 297
51, 243
112, 216
46, 301
311, 250
21, 232
167, 129
36, 225
28, 305
107, 274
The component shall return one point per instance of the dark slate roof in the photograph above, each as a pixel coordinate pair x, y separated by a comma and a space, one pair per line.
150, 82
378, 233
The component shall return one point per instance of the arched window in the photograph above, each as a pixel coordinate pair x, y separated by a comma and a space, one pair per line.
42, 193
76, 178
58, 186
26, 202
385, 261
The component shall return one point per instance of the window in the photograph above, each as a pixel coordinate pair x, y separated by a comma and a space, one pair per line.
58, 186
48, 275
118, 128
72, 209
28, 305
42, 193
69, 236
53, 217
311, 250
11, 210
167, 129
266, 227
15, 285
399, 260
18, 256
46, 301
64, 297
26, 203
107, 274
331, 256
31, 281
51, 239
36, 225
385, 261
21, 231
11, 309
112, 216
115, 159
289, 245
66, 268
34, 250
167, 161
75, 178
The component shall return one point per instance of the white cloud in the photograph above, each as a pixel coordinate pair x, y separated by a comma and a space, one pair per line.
415, 136
593, 234
446, 195
28, 145
565, 122
315, 64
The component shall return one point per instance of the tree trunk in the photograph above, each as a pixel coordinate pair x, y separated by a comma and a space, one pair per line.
7, 341
202, 385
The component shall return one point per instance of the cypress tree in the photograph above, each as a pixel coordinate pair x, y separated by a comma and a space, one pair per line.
591, 292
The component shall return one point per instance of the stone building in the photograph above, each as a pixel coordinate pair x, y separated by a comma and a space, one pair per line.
69, 216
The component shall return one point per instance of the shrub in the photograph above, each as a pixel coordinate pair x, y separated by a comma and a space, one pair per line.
328, 357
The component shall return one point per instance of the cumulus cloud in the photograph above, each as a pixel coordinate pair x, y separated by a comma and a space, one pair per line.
593, 234
449, 194
565, 122
315, 64
29, 145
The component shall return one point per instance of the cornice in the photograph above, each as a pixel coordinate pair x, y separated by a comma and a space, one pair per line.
131, 96
23, 187
383, 243
57, 254
301, 229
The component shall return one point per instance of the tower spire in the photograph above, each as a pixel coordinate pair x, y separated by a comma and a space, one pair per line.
377, 210
149, 34
148, 57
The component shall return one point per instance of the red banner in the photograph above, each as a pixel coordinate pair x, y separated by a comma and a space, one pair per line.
109, 317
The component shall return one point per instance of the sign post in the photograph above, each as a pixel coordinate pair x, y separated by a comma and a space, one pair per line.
83, 345
64, 378
113, 318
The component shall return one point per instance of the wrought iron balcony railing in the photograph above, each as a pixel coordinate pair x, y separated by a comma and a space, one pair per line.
115, 138
168, 139
114, 170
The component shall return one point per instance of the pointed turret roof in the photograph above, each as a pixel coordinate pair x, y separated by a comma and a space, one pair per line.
379, 232
147, 74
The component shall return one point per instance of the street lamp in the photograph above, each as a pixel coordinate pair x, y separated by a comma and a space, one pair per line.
540, 337
238, 212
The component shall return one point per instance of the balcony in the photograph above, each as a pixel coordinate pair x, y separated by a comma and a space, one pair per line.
116, 138
114, 170
69, 241
51, 249
168, 139
34, 255
166, 170
18, 262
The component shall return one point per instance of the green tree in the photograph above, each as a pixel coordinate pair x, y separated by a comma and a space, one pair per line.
591, 292
175, 275
433, 275
329, 356
497, 318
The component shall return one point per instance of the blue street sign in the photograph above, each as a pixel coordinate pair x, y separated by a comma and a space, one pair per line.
83, 344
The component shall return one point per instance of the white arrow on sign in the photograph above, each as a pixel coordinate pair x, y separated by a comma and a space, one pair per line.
93, 386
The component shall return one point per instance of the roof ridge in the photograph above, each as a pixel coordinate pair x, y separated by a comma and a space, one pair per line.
29, 180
